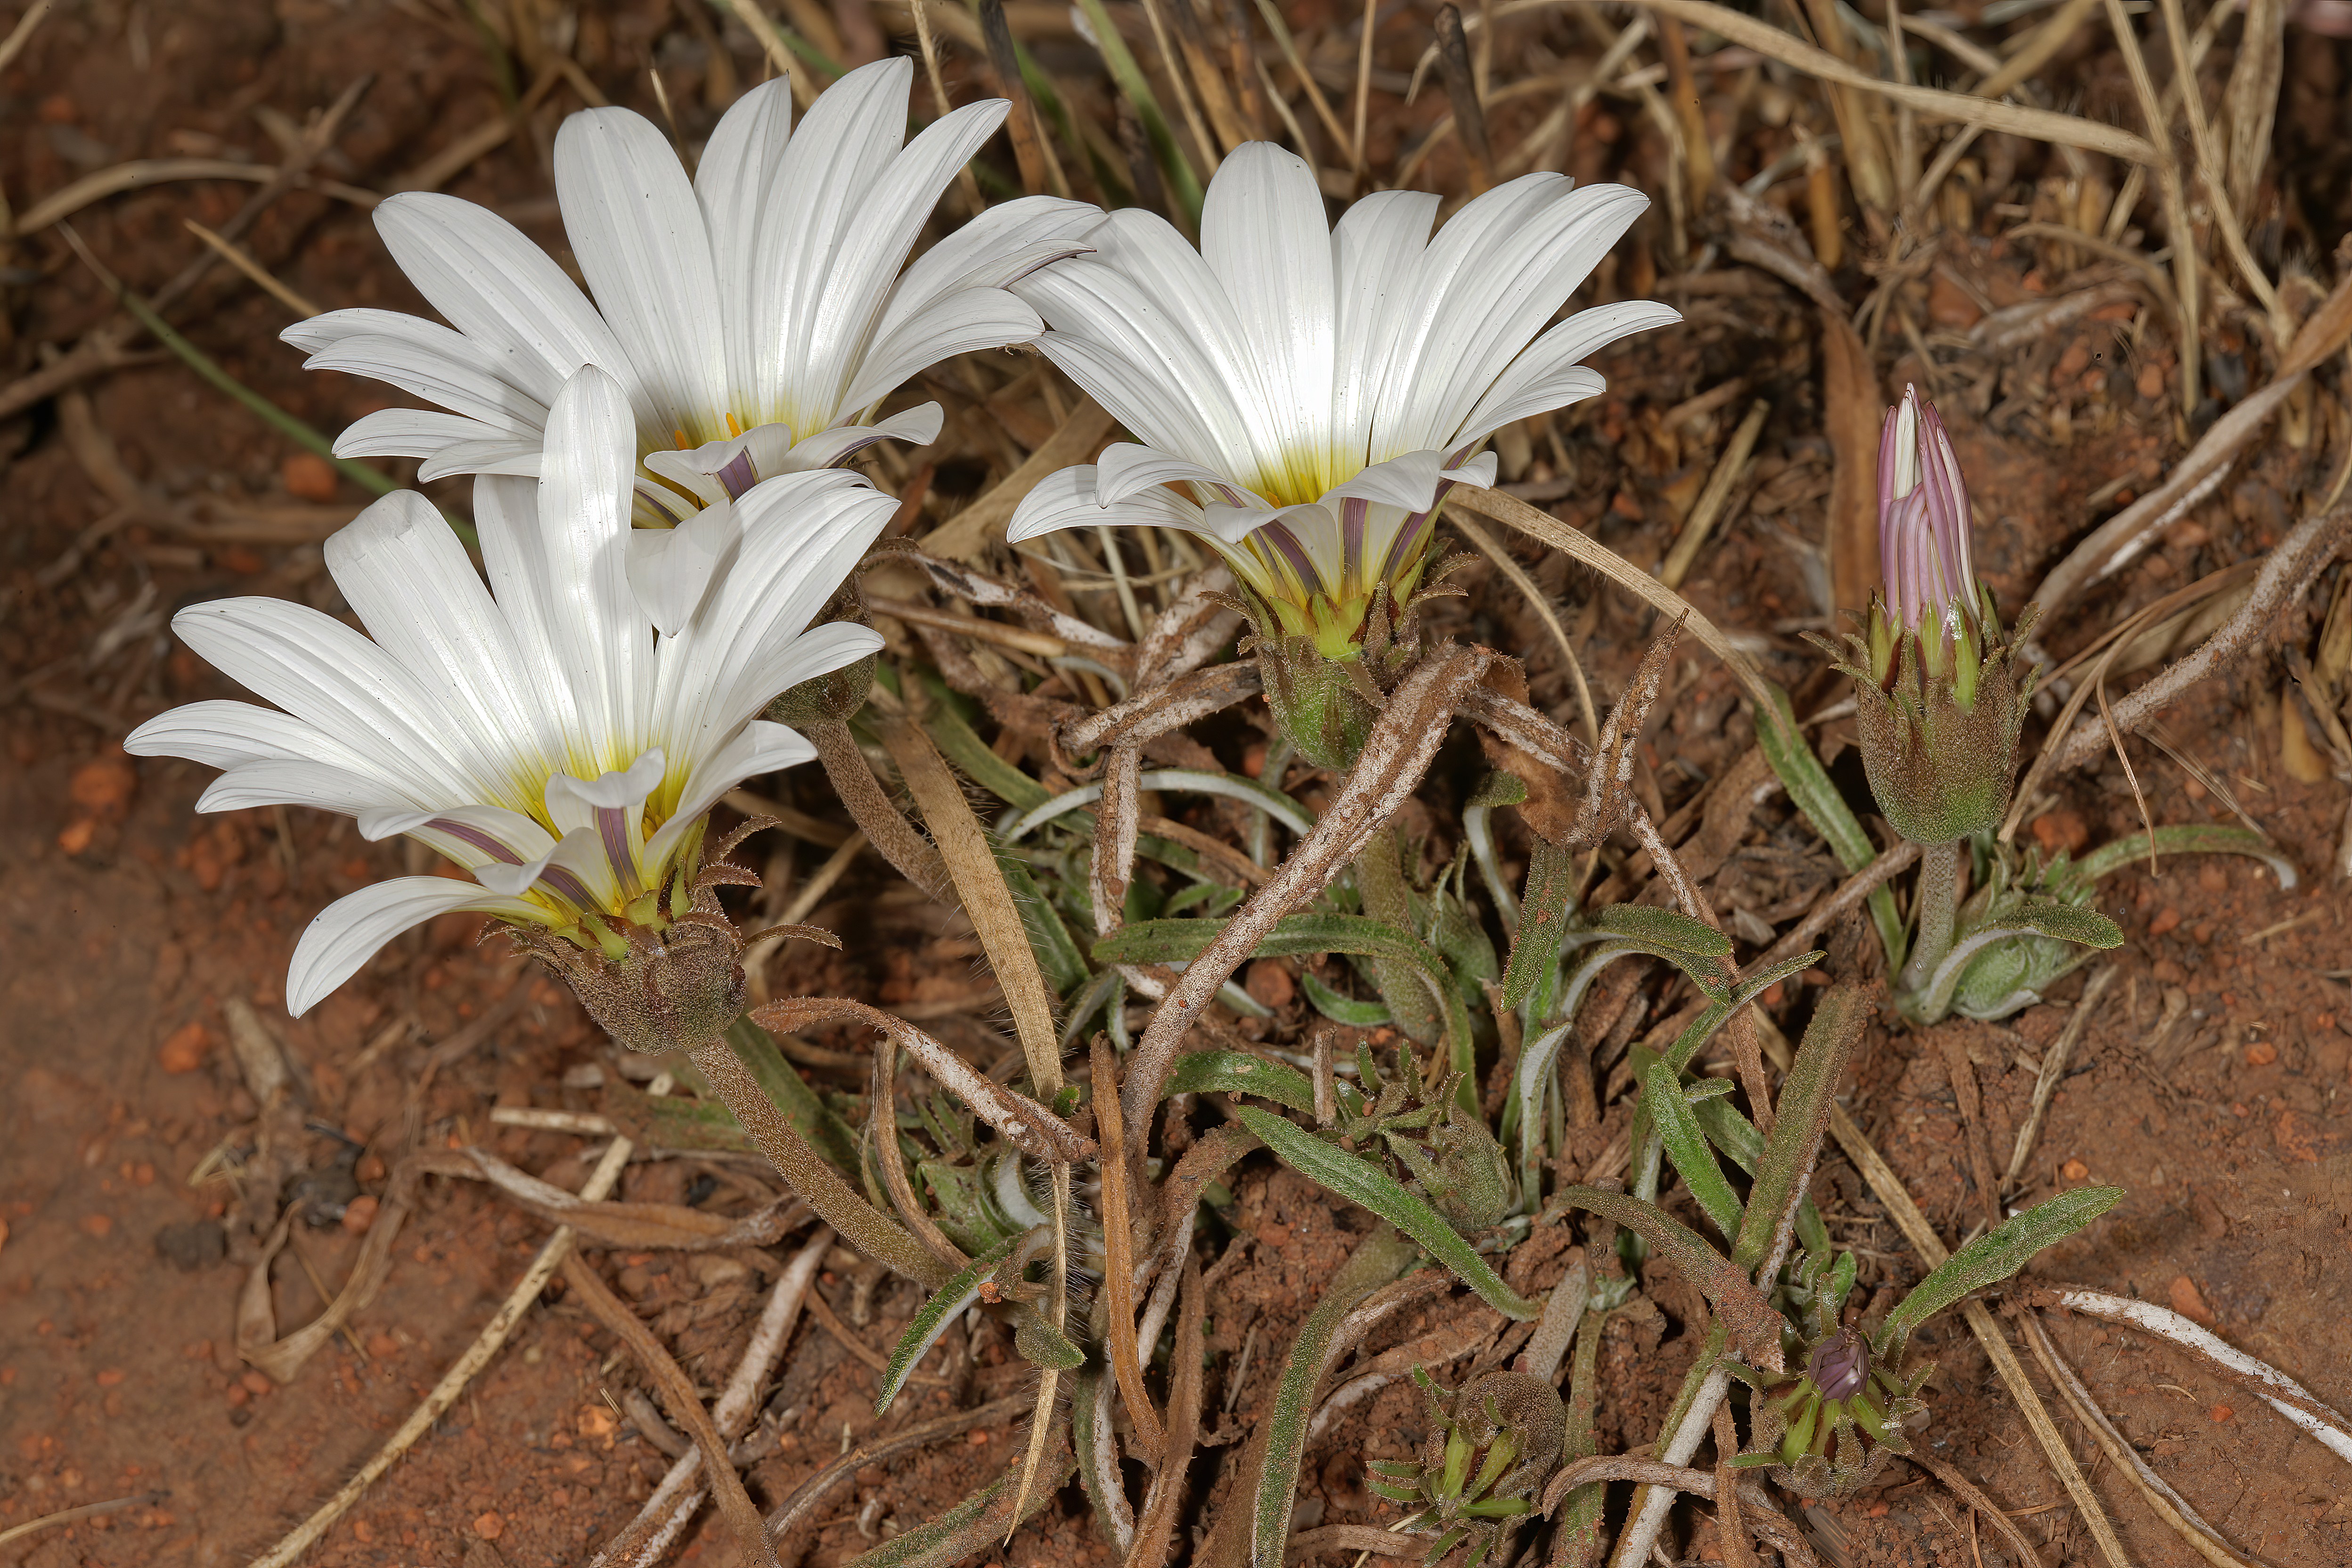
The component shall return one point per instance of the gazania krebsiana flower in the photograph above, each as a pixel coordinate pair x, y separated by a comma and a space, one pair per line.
539, 732
1320, 389
751, 315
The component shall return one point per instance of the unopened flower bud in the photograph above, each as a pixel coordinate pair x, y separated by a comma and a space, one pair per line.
1840, 1365
1939, 705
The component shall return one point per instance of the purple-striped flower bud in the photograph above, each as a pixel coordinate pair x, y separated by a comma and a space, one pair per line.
1840, 1365
1923, 537
1939, 705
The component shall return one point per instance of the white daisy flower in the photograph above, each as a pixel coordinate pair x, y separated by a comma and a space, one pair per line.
540, 732
1318, 389
752, 315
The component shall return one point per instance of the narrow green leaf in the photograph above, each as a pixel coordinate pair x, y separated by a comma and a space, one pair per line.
1800, 1118
1543, 920
923, 1331
1341, 1009
1379, 1259
1990, 1259
1361, 1182
976, 762
2059, 923
1687, 1146
1809, 786
1236, 1072
2186, 838
1665, 931
1183, 184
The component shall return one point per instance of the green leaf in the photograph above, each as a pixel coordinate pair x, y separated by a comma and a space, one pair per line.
1687, 1146
971, 754
1718, 1013
1800, 1118
1341, 1009
1183, 941
1990, 1259
2186, 838
2058, 923
1543, 920
1363, 1184
1236, 1072
1665, 931
1809, 788
923, 1331
1064, 967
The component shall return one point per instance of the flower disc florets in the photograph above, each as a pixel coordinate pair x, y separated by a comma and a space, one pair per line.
1939, 706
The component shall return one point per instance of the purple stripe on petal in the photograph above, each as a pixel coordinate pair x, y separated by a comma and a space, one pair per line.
1286, 543
660, 498
1353, 512
480, 839
613, 828
567, 887
737, 475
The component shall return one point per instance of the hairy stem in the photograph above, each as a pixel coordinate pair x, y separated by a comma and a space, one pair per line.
1939, 900
885, 825
862, 1224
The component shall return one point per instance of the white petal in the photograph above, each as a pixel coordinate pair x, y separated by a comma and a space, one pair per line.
1263, 235
670, 569
638, 235
1189, 413
580, 581
1235, 523
520, 458
1409, 482
801, 534
1069, 499
1547, 375
829, 170
762, 748
994, 250
413, 587
348, 932
875, 245
733, 184
1374, 248
222, 734
295, 782
1483, 295
962, 322
918, 426
440, 366
498, 289
1126, 470
410, 433
337, 682
474, 836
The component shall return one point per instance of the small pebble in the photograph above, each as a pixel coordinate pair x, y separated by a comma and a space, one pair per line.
2261, 1054
2190, 1302
2074, 1170
2223, 1413
489, 1526
360, 1214
185, 1049
308, 476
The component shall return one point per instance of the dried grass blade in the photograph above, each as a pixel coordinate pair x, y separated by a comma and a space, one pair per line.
971, 861
1029, 1126
1118, 1260
1155, 1531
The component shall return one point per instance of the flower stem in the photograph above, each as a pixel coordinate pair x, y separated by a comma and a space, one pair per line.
1939, 890
862, 1224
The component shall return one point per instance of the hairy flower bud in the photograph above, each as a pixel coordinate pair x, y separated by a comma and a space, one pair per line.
1939, 707
1840, 1365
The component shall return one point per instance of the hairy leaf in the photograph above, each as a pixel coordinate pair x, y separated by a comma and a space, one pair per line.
1990, 1259
1361, 1182
923, 1331
1739, 1307
1678, 1126
1237, 1072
